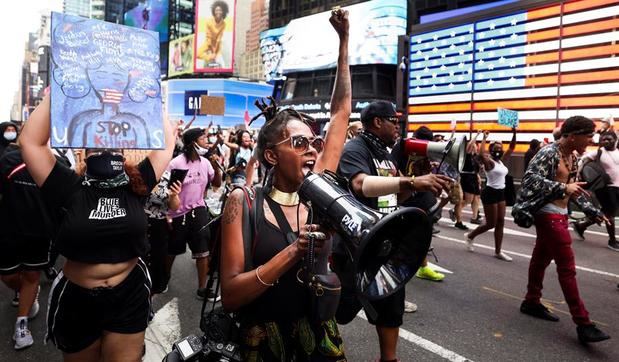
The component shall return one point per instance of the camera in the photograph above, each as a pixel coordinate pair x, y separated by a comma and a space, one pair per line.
194, 348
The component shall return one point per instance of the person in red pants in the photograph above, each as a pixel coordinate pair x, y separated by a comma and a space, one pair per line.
548, 184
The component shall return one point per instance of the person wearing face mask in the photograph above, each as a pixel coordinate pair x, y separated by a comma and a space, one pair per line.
608, 196
100, 303
8, 135
493, 195
192, 214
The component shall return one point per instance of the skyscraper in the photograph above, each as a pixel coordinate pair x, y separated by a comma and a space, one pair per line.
77, 7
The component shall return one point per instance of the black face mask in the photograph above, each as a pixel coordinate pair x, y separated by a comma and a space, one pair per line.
497, 154
104, 166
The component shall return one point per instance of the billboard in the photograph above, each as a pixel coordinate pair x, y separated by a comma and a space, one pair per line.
546, 63
105, 88
181, 56
184, 96
214, 41
150, 15
310, 43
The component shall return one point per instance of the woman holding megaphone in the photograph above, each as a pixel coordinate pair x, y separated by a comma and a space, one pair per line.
493, 195
273, 307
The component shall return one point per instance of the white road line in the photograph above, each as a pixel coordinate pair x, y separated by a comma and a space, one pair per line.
439, 268
427, 345
162, 332
590, 270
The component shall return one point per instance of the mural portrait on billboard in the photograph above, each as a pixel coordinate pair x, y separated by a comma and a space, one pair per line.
105, 88
181, 56
215, 35
272, 52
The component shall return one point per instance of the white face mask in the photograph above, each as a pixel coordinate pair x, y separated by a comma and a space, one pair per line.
10, 136
201, 151
212, 139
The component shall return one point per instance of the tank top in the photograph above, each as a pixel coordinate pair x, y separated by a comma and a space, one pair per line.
496, 176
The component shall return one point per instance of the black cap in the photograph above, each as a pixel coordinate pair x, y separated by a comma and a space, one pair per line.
377, 109
191, 135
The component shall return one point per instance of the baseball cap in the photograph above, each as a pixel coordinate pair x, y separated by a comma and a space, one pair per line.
191, 135
377, 109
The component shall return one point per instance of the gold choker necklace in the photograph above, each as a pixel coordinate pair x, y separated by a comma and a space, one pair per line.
284, 198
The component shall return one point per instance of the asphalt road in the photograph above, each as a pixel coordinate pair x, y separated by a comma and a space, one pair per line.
472, 315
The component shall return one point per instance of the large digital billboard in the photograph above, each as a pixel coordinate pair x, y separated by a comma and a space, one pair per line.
214, 42
181, 56
547, 63
150, 15
310, 43
184, 94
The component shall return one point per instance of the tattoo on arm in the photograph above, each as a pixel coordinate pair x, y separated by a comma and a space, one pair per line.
231, 212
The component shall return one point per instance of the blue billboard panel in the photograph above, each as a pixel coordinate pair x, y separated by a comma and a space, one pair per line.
105, 87
150, 15
239, 100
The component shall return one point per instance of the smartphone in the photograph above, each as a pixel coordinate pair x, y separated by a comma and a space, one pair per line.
177, 174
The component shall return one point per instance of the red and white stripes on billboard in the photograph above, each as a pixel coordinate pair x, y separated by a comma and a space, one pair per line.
548, 64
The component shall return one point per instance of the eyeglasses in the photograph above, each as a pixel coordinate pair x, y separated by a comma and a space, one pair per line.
300, 144
394, 120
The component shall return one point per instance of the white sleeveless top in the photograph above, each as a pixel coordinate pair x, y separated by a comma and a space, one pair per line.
496, 176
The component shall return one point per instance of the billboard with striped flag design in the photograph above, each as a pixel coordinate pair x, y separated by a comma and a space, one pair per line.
548, 64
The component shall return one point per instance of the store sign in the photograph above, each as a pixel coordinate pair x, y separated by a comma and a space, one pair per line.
321, 110
192, 101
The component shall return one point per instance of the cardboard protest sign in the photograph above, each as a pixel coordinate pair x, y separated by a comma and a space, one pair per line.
507, 118
105, 87
212, 105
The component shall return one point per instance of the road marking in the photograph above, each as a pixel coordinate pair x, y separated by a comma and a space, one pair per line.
162, 332
548, 305
427, 345
590, 270
439, 268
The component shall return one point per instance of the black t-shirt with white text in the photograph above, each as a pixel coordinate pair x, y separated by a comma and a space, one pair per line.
98, 225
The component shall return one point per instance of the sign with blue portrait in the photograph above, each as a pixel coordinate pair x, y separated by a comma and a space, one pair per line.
105, 86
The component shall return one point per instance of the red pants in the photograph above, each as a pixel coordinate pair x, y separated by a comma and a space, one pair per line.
554, 242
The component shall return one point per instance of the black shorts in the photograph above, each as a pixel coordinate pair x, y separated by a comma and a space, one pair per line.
469, 183
389, 310
77, 317
23, 253
187, 229
608, 198
492, 196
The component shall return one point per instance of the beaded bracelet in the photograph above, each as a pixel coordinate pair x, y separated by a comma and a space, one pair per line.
260, 279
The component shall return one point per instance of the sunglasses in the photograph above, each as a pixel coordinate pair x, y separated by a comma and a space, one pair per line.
394, 120
300, 144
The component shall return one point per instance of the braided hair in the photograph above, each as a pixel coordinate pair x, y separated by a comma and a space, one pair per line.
275, 126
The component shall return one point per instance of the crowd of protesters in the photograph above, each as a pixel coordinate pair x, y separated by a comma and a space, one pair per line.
120, 226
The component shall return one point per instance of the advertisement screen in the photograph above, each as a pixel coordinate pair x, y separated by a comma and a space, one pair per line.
181, 56
214, 43
547, 64
310, 42
150, 15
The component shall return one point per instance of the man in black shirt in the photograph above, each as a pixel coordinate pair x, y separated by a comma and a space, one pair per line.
376, 182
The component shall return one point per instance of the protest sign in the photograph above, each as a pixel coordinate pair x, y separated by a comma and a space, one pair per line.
105, 87
507, 118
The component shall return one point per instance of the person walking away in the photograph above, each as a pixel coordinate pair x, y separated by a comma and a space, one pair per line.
471, 181
547, 185
608, 196
493, 195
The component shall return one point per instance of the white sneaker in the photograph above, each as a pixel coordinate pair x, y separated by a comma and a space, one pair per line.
22, 336
503, 256
409, 307
469, 243
34, 309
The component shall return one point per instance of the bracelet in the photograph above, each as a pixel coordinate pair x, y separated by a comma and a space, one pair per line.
260, 279
412, 182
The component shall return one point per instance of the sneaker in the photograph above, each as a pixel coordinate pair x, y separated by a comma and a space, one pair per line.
452, 215
22, 336
477, 220
590, 333
469, 243
211, 296
34, 309
15, 301
461, 226
579, 231
503, 256
538, 311
613, 245
409, 307
425, 272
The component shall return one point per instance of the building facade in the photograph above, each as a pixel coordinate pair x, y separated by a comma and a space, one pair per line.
77, 7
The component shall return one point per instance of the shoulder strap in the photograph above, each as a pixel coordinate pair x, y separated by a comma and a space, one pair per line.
599, 155
282, 222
